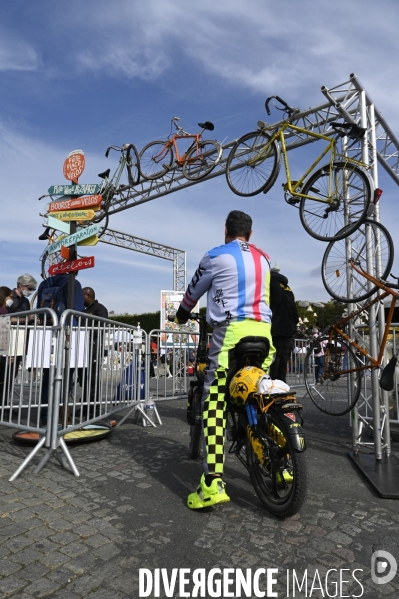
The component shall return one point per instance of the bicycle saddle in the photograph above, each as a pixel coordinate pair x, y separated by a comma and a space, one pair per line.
105, 174
350, 129
254, 348
207, 125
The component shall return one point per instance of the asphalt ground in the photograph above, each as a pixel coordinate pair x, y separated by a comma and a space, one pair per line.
71, 537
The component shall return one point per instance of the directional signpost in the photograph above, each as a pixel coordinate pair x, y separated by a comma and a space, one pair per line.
73, 238
72, 265
84, 202
58, 225
73, 190
75, 203
74, 165
79, 215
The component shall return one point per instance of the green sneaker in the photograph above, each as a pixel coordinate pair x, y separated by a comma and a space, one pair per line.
205, 496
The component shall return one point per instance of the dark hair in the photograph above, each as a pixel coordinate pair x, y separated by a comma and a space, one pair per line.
238, 224
89, 291
4, 292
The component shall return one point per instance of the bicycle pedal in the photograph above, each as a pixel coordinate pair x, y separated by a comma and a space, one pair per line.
292, 201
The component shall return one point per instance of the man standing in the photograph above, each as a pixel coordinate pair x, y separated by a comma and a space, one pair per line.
236, 278
89, 378
92, 306
284, 323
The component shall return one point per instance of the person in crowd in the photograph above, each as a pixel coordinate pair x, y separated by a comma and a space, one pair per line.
6, 299
94, 308
78, 305
284, 322
236, 278
26, 285
319, 357
5, 302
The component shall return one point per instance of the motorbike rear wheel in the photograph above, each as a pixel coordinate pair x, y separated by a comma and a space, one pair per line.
281, 480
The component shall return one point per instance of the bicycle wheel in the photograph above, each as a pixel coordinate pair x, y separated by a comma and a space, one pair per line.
281, 481
371, 248
248, 172
338, 390
199, 163
155, 160
349, 189
133, 165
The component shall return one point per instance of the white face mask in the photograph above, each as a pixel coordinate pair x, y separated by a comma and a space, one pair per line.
27, 292
9, 302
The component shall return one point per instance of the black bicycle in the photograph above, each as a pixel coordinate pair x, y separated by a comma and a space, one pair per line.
265, 430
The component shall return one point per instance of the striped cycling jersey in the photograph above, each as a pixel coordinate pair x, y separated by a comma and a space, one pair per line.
236, 277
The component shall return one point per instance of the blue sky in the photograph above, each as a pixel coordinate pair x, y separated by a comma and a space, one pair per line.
97, 73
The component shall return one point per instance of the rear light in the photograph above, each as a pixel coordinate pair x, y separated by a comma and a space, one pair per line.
377, 195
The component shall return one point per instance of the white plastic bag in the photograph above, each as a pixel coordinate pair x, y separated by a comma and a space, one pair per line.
268, 385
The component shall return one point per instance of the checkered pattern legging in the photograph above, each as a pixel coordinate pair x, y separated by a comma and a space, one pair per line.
224, 338
214, 422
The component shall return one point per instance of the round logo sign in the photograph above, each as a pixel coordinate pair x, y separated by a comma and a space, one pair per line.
74, 165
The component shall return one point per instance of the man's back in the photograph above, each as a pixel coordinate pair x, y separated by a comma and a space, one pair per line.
236, 277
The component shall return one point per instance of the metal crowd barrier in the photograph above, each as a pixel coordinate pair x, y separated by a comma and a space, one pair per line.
28, 342
170, 363
171, 357
56, 378
295, 375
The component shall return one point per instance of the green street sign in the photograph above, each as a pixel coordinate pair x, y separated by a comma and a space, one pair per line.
74, 190
74, 238
59, 225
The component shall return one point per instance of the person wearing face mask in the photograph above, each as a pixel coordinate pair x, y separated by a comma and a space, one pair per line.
26, 285
5, 299
5, 303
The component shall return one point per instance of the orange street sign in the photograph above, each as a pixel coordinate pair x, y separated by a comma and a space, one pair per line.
93, 202
74, 165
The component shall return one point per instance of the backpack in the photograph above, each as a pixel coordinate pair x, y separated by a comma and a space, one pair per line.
53, 293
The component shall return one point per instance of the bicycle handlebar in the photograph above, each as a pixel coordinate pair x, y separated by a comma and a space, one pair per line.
286, 107
125, 147
193, 316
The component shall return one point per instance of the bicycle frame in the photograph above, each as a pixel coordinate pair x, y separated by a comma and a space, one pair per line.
337, 327
293, 186
172, 142
113, 183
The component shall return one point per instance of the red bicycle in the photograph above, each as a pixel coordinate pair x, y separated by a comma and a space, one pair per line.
160, 157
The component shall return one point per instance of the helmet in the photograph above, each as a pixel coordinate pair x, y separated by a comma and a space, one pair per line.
244, 382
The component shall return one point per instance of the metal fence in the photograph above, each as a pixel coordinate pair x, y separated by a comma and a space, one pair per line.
58, 377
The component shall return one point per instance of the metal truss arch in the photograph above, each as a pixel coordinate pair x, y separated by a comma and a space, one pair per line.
153, 248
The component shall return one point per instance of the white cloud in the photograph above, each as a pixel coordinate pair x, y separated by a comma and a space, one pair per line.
17, 55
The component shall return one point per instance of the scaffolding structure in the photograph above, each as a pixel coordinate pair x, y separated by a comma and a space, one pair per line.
348, 100
145, 246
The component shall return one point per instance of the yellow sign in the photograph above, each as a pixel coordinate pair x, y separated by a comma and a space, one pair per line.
74, 215
93, 240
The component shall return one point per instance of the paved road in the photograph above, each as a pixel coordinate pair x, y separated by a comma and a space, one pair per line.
87, 537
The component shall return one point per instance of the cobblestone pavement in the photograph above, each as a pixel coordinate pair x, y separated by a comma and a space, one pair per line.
69, 537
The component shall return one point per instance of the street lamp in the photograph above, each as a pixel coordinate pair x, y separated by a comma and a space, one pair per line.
310, 307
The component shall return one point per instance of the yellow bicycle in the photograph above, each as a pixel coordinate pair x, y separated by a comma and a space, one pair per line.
337, 195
